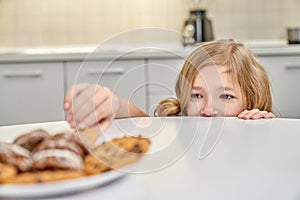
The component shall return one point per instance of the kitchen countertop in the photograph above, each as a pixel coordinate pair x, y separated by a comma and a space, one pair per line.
201, 158
81, 52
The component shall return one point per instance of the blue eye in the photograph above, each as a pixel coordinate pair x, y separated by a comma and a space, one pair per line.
226, 96
196, 96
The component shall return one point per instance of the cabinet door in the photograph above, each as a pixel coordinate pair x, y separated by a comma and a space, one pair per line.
162, 79
284, 72
31, 92
126, 78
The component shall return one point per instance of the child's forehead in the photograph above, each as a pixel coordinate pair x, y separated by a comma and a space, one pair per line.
215, 75
214, 68
214, 72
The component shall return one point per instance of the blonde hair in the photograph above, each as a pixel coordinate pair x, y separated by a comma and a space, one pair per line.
249, 73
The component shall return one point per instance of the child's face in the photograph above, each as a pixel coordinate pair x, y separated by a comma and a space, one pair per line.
215, 93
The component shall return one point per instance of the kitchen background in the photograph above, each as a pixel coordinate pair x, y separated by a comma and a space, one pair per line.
46, 43
65, 22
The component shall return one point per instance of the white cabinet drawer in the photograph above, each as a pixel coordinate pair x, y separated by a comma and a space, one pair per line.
284, 72
162, 79
31, 92
125, 77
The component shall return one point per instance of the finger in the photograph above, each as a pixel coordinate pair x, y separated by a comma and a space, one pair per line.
242, 114
83, 104
251, 113
259, 115
94, 117
73, 91
248, 114
69, 117
72, 123
269, 115
245, 114
90, 96
83, 96
88, 103
102, 125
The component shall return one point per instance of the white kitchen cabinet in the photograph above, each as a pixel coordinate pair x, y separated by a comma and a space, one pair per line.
31, 92
126, 78
284, 73
162, 75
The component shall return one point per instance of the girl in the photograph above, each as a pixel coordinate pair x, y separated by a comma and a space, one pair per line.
219, 78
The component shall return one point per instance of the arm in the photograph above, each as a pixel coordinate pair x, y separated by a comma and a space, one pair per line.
256, 114
88, 105
128, 109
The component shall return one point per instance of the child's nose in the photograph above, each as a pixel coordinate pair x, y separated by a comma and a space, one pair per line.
208, 109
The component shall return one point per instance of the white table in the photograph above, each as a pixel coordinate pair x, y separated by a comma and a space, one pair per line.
202, 158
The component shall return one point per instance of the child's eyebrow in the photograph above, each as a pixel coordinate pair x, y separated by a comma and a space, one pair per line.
197, 88
227, 88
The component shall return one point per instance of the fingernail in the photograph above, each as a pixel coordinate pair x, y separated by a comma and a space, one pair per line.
69, 117
81, 125
66, 105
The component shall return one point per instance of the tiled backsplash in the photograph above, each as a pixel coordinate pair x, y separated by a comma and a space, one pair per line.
65, 22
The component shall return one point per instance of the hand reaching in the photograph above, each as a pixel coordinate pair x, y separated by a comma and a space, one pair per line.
255, 114
88, 105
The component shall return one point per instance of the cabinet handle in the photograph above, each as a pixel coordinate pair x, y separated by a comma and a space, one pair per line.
17, 74
292, 67
116, 70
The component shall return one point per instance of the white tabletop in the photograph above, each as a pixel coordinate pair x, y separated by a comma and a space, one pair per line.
202, 158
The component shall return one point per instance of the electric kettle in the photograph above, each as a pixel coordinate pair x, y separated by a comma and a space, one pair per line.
197, 28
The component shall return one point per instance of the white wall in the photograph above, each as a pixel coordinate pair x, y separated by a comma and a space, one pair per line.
64, 22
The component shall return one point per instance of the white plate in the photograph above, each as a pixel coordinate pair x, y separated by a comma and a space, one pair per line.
9, 133
58, 187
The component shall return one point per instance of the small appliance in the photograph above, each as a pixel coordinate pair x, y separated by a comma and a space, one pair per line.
197, 28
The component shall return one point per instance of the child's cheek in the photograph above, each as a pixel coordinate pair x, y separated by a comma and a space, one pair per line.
193, 109
233, 110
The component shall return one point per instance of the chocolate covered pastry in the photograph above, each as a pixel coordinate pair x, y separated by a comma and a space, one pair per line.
15, 155
31, 139
59, 143
57, 159
39, 157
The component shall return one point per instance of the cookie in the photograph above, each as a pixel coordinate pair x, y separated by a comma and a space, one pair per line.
15, 155
132, 144
25, 177
57, 159
57, 175
43, 176
89, 137
7, 171
31, 139
115, 154
92, 165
